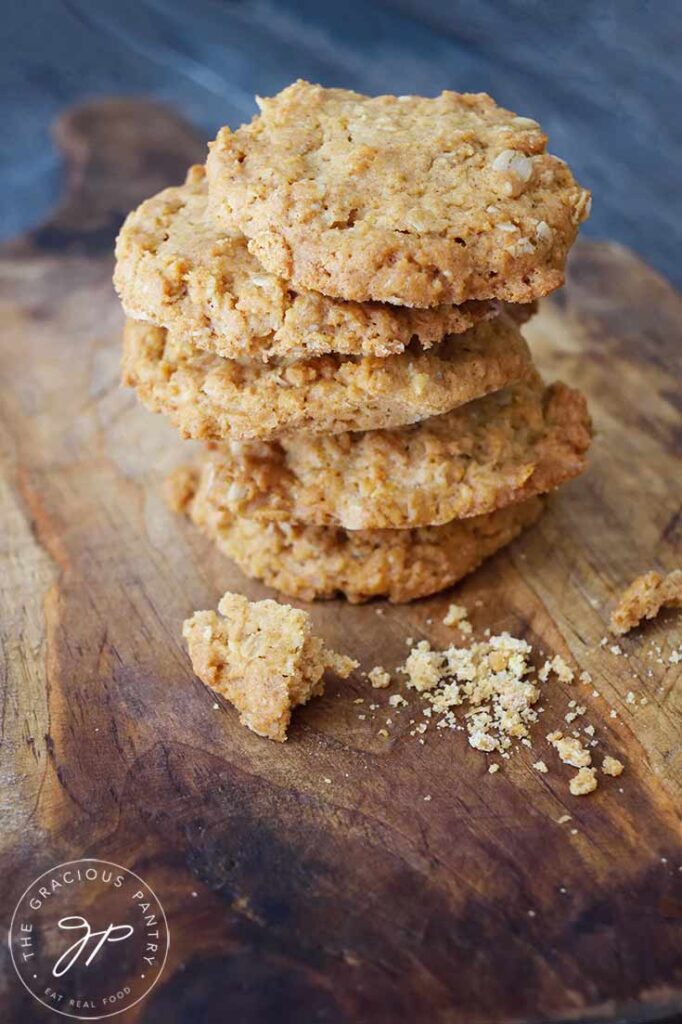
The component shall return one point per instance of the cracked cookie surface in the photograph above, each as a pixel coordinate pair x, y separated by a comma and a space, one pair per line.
398, 199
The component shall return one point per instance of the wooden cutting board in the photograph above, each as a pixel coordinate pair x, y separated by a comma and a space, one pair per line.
288, 897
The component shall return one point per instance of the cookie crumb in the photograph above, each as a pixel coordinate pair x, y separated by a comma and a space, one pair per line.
379, 678
644, 598
558, 666
563, 671
612, 766
541, 767
570, 750
455, 615
584, 782
424, 667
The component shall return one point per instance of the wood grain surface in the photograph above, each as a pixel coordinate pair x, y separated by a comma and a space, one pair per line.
290, 898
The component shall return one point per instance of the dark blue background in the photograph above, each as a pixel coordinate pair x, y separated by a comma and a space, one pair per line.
603, 77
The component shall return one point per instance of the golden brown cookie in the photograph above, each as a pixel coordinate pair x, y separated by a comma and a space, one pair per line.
211, 398
176, 269
398, 199
310, 562
489, 453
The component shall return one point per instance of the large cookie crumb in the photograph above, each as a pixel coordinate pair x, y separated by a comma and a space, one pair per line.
570, 749
644, 598
263, 658
379, 678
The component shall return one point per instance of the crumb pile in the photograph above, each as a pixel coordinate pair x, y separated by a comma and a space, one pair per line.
492, 679
263, 658
491, 690
334, 305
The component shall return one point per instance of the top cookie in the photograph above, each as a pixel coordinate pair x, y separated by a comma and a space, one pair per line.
176, 269
405, 200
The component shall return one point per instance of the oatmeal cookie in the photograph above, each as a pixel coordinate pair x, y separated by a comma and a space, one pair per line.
489, 453
313, 562
263, 658
178, 270
398, 199
211, 398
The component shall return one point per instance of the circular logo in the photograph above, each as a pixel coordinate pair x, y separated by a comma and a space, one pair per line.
89, 939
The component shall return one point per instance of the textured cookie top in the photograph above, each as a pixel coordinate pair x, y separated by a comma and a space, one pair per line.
262, 656
489, 453
310, 562
176, 269
210, 398
401, 199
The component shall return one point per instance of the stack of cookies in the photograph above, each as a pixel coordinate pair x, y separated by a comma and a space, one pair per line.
334, 305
